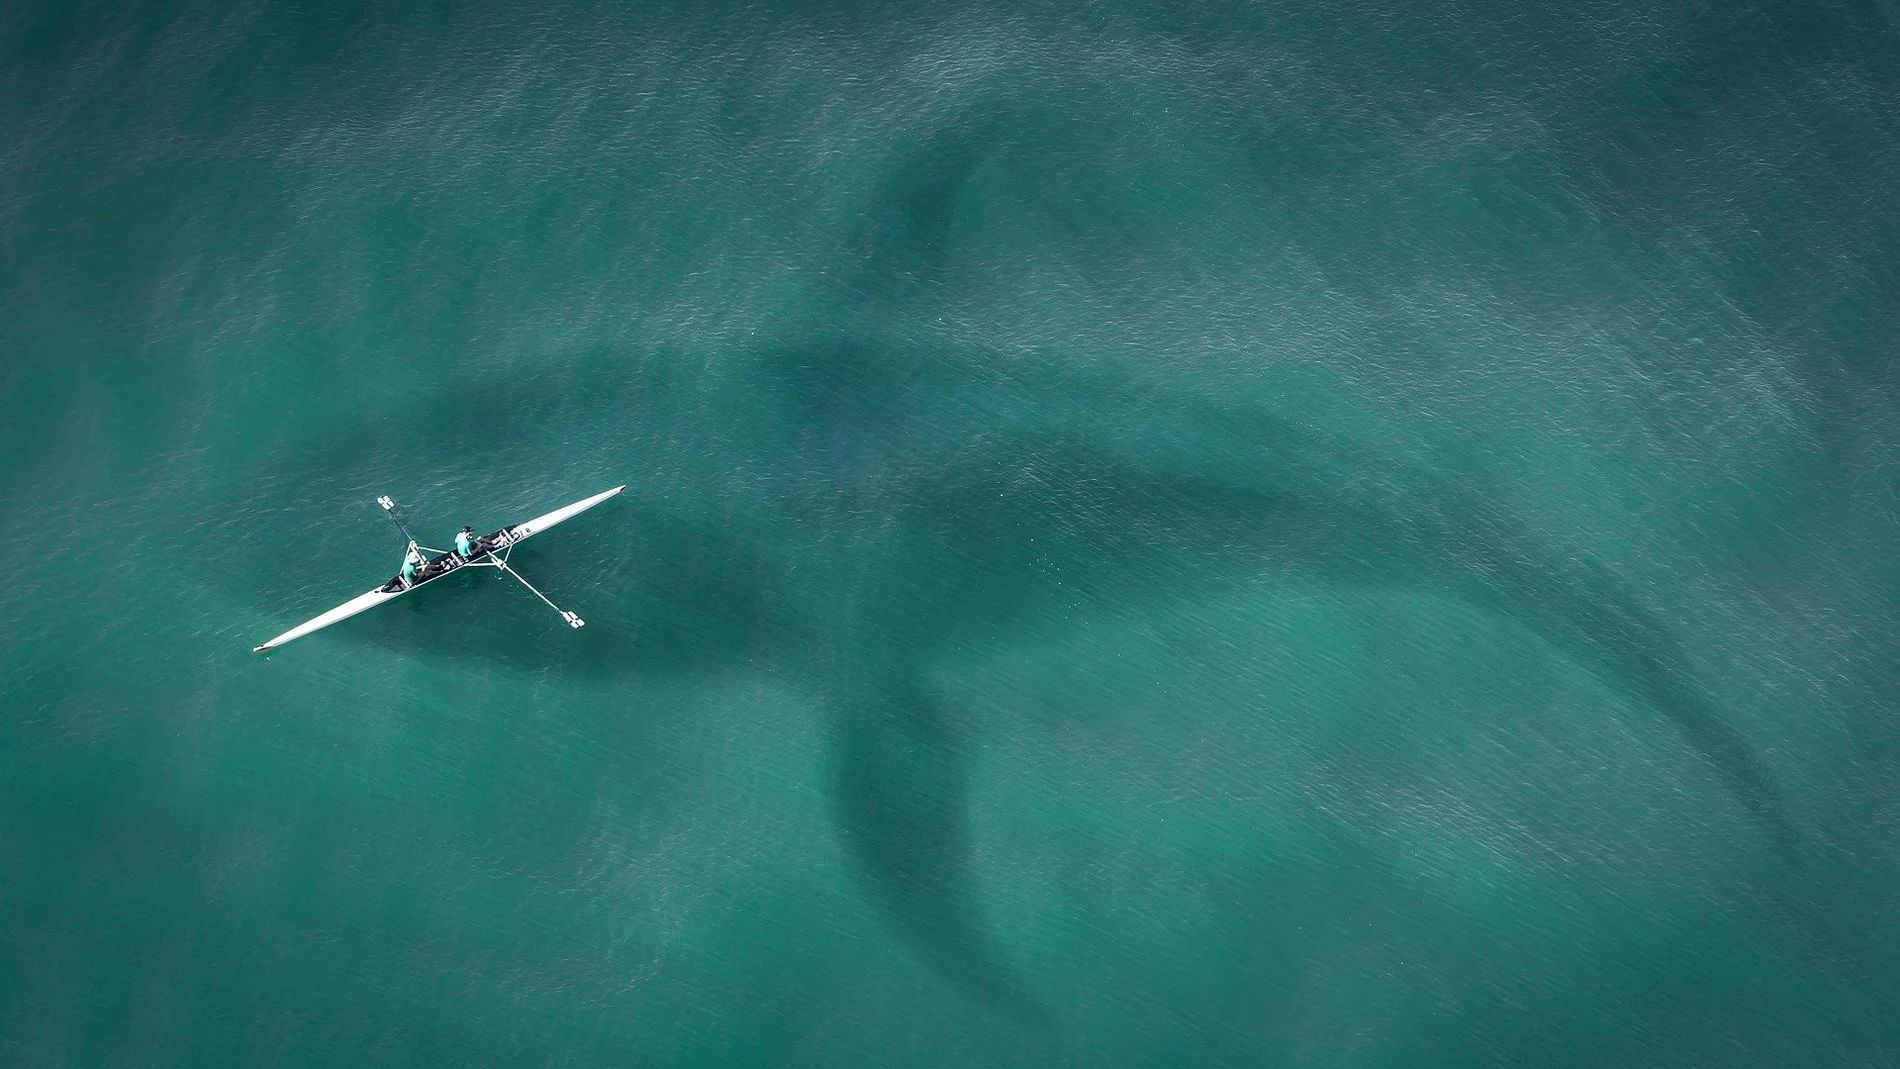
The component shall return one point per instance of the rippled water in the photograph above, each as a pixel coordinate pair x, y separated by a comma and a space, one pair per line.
1350, 534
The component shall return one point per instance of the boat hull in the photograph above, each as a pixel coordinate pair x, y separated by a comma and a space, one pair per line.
439, 566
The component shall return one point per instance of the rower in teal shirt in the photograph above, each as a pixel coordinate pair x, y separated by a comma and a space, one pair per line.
411, 564
465, 542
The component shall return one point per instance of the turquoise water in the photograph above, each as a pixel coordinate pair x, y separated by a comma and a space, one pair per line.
1329, 534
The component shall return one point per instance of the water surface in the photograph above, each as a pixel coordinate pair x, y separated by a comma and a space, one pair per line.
1317, 534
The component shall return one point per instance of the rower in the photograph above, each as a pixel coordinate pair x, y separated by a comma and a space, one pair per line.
465, 542
411, 564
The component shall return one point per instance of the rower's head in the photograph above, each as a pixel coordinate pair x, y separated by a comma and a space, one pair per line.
466, 529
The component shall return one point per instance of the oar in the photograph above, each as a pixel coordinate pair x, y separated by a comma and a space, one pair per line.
573, 619
390, 507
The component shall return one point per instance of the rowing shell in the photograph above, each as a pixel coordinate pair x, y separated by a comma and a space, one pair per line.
437, 568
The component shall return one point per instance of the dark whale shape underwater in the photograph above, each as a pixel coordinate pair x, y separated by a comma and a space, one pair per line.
1265, 497
1248, 495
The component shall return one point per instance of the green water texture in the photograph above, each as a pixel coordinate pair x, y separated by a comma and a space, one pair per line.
1336, 533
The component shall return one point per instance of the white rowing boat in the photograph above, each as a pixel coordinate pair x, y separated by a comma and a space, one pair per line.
490, 552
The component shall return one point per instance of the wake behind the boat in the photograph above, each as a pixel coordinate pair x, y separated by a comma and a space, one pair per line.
488, 551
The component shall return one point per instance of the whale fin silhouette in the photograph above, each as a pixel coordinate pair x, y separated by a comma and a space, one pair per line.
902, 813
